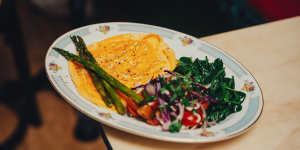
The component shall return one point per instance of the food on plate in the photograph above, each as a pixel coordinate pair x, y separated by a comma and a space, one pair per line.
101, 74
196, 94
133, 59
108, 94
98, 82
138, 75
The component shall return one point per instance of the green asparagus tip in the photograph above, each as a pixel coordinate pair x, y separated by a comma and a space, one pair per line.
64, 53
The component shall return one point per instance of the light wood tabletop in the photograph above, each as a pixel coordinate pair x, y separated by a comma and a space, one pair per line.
271, 52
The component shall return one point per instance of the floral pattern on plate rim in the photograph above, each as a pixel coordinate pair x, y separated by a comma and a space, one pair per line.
54, 67
104, 29
105, 115
186, 40
248, 86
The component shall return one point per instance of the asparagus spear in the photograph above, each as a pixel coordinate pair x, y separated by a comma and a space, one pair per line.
83, 51
101, 73
115, 98
99, 86
96, 81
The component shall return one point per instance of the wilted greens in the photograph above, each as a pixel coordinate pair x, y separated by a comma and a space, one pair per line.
220, 88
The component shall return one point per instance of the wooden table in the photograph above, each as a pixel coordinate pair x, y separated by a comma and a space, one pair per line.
271, 52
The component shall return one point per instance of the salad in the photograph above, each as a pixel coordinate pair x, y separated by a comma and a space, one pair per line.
196, 94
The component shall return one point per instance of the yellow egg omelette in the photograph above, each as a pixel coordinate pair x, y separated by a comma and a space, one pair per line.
133, 59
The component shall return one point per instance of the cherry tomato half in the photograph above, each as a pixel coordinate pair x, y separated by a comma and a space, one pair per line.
190, 120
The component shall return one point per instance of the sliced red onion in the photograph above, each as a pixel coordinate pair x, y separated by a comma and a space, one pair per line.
173, 114
161, 101
165, 96
173, 108
159, 119
203, 110
196, 93
198, 117
212, 123
206, 98
176, 101
165, 115
164, 119
197, 105
167, 92
213, 100
158, 86
181, 111
150, 89
165, 125
189, 108
139, 90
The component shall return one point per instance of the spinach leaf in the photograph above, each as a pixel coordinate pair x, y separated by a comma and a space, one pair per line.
220, 88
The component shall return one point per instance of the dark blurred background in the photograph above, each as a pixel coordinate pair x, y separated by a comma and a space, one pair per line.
32, 116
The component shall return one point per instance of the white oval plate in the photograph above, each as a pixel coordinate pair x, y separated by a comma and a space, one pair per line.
183, 45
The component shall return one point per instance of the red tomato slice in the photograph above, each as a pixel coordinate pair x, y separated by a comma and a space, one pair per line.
154, 105
190, 120
153, 122
205, 104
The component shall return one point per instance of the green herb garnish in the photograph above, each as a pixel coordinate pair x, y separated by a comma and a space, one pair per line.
185, 102
149, 98
175, 127
221, 88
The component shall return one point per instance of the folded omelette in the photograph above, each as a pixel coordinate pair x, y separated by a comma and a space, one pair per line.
133, 59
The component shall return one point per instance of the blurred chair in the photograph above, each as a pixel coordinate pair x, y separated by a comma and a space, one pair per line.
86, 129
18, 95
23, 102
